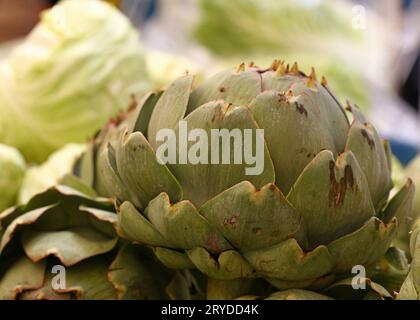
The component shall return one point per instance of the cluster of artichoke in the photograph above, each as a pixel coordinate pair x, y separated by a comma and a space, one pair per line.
125, 225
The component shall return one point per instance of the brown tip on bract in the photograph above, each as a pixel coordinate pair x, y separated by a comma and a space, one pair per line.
287, 69
295, 69
281, 69
241, 67
313, 74
324, 81
312, 78
274, 66
251, 64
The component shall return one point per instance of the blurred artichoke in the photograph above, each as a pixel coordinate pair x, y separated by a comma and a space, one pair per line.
318, 207
75, 70
12, 170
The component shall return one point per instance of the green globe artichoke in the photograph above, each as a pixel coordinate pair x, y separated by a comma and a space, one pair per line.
62, 244
12, 171
315, 206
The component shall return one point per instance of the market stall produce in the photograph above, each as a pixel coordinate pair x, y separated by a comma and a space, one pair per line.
174, 150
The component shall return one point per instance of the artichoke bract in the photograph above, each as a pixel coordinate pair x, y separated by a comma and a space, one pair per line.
78, 67
12, 171
316, 207
63, 244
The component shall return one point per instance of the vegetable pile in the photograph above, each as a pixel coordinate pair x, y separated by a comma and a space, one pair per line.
315, 33
78, 67
254, 183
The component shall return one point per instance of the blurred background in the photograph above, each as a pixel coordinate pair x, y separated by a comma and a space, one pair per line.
368, 50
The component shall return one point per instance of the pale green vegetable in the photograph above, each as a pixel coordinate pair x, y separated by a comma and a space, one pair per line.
232, 27
315, 33
12, 170
40, 178
164, 68
77, 68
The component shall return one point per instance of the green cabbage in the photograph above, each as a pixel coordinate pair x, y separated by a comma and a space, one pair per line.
164, 68
77, 68
316, 34
40, 178
12, 170
237, 26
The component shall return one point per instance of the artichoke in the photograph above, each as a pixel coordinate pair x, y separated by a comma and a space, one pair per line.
62, 244
317, 205
12, 171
